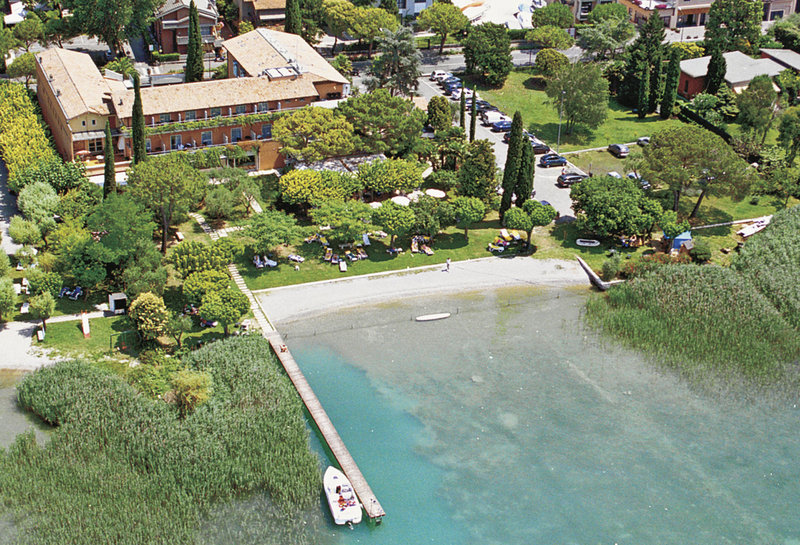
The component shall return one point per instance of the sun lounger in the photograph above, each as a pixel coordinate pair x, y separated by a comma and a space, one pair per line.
64, 291
270, 263
343, 266
394, 251
335, 259
515, 235
20, 267
495, 247
25, 308
365, 238
427, 249
312, 238
40, 334
414, 245
76, 293
296, 258
323, 241
505, 235
328, 254
351, 256
362, 254
257, 262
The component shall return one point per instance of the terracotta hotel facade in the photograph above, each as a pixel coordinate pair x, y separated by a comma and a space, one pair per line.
268, 72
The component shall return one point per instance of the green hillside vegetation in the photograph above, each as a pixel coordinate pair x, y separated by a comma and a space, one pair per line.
718, 326
124, 468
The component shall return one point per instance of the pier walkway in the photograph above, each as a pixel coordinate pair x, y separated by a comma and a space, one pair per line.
348, 465
368, 499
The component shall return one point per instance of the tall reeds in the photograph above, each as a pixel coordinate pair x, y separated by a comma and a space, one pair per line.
122, 468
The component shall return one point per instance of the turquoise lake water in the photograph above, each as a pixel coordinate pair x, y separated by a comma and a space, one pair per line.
513, 424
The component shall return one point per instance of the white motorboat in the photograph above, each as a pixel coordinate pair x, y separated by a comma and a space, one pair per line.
433, 317
341, 498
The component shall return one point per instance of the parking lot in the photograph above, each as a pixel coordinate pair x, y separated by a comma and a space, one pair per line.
544, 181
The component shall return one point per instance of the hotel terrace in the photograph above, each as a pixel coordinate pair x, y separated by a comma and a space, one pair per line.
269, 72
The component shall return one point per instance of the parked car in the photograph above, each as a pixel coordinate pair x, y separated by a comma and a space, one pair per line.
450, 88
619, 150
539, 147
446, 81
507, 136
493, 116
552, 160
615, 174
439, 74
566, 180
501, 126
484, 106
457, 93
644, 184
643, 141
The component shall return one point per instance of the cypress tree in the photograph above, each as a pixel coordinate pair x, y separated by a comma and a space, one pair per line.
717, 66
462, 110
513, 157
194, 54
473, 116
671, 84
109, 174
294, 21
644, 90
137, 130
525, 175
655, 57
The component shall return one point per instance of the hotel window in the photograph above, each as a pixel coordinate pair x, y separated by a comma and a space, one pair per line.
205, 138
175, 141
263, 106
96, 145
266, 131
94, 122
241, 109
216, 112
236, 135
164, 118
191, 115
83, 123
148, 147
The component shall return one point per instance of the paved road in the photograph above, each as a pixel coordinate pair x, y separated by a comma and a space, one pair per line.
544, 181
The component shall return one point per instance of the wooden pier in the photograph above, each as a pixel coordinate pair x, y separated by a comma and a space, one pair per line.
365, 495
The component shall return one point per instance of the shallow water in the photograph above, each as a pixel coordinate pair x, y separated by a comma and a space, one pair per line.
512, 424
13, 419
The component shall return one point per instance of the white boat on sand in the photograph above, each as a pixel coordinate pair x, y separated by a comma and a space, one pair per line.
341, 498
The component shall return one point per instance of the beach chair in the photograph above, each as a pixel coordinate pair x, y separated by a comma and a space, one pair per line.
296, 258
351, 256
427, 249
496, 247
77, 292
505, 235
312, 238
64, 291
335, 259
323, 241
343, 266
25, 308
362, 254
515, 235
414, 245
328, 254
257, 262
269, 262
365, 238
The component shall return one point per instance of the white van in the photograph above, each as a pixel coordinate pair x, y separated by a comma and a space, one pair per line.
493, 116
437, 75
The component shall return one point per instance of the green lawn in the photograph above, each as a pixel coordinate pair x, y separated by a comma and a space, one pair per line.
66, 338
541, 118
599, 163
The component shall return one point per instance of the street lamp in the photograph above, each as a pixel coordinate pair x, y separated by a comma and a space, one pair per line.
560, 112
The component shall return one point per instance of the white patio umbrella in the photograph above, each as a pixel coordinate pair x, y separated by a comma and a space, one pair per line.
414, 195
402, 201
436, 193
375, 204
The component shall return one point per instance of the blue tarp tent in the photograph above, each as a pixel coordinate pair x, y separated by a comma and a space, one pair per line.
680, 239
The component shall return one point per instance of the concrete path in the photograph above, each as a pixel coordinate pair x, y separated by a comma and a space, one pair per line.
8, 209
16, 338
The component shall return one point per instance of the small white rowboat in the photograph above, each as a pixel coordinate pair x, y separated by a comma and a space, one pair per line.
432, 317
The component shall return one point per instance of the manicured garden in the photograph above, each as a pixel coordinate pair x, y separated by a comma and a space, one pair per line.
522, 91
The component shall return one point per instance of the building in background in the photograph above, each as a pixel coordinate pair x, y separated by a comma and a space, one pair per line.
172, 24
740, 71
274, 72
690, 13
266, 13
413, 7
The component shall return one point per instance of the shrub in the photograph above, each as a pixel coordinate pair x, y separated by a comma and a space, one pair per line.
56, 173
41, 281
199, 283
24, 231
550, 61
25, 256
194, 256
446, 179
220, 203
23, 138
192, 388
611, 267
5, 264
150, 315
38, 202
165, 57
701, 252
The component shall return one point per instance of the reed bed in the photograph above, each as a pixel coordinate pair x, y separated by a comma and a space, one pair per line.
771, 260
710, 323
125, 469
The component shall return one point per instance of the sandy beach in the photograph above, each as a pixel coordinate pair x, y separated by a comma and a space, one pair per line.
304, 300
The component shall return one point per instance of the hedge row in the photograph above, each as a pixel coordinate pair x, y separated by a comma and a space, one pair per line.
23, 140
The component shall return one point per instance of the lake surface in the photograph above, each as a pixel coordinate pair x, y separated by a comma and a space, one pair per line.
510, 423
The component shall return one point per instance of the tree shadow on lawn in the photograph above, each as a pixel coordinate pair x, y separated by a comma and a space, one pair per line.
535, 83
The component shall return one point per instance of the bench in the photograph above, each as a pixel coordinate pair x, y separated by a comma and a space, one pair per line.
179, 236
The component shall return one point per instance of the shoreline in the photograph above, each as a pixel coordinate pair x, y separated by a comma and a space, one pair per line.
287, 303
